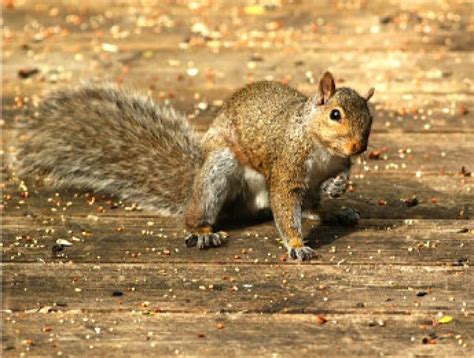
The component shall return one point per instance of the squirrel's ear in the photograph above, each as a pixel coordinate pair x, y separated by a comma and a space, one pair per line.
369, 94
327, 87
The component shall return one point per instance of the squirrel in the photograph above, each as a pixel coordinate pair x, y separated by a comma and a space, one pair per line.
270, 147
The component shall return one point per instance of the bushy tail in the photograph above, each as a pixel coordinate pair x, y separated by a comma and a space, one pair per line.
113, 141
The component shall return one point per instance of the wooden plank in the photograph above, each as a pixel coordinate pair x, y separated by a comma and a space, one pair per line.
382, 285
409, 153
134, 334
385, 242
443, 77
238, 287
147, 60
358, 30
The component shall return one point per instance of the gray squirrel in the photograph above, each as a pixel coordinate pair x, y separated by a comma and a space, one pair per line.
269, 147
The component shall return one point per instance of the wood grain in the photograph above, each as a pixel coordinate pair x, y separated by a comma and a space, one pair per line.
238, 287
109, 334
381, 285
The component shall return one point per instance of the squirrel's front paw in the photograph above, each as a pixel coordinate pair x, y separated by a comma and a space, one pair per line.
205, 240
335, 187
304, 253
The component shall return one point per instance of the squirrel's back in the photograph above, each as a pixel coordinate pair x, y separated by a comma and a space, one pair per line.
106, 139
259, 117
265, 100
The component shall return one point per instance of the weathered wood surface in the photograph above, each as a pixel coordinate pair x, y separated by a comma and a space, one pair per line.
135, 334
239, 287
375, 242
129, 286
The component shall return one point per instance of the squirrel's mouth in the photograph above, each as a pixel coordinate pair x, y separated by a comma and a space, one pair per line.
337, 152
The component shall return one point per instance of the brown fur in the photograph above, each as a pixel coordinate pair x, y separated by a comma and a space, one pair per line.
269, 145
274, 129
109, 140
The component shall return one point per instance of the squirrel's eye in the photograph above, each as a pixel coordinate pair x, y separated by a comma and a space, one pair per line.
335, 115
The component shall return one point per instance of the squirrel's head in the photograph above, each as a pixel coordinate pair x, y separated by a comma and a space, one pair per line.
340, 118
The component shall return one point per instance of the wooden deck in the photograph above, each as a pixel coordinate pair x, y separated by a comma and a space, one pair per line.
399, 283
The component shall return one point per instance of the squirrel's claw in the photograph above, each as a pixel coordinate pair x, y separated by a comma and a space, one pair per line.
191, 240
304, 253
204, 241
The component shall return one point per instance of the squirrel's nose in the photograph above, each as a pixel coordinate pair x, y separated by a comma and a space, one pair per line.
356, 147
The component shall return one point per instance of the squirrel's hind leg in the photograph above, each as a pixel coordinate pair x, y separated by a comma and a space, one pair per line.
219, 180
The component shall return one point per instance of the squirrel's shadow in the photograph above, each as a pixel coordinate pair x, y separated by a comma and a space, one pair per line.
317, 232
382, 201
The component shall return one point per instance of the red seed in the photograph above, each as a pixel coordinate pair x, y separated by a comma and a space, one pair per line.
463, 110
374, 154
320, 320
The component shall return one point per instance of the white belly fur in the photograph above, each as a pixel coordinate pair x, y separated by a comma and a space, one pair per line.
320, 166
257, 188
